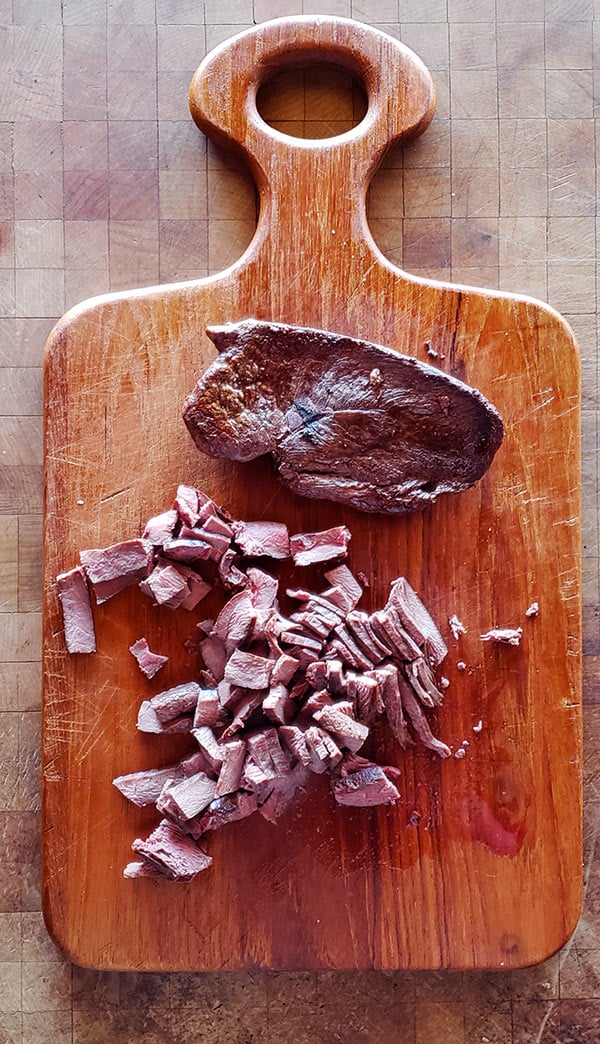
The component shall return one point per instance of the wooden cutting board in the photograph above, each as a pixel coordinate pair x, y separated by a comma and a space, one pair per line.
479, 864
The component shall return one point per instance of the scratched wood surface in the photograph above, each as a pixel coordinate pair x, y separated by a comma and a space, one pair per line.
490, 876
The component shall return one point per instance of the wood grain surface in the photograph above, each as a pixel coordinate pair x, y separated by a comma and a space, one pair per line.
490, 877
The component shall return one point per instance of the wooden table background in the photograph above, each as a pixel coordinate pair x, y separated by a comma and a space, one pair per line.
106, 184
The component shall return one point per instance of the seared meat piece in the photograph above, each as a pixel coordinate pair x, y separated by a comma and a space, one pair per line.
78, 621
176, 855
366, 787
148, 662
111, 569
256, 539
307, 548
308, 397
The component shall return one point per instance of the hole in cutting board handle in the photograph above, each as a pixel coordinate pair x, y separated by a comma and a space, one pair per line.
312, 101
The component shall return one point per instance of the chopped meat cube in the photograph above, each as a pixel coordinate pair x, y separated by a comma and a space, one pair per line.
342, 579
313, 623
248, 670
295, 741
358, 625
331, 610
392, 702
149, 662
187, 504
419, 721
456, 626
111, 569
229, 573
236, 620
169, 848
234, 754
348, 733
367, 698
303, 640
263, 588
181, 699
243, 709
336, 682
197, 588
165, 585
214, 655
76, 607
284, 669
210, 746
218, 543
187, 798
354, 656
323, 750
364, 788
316, 674
503, 635
421, 678
214, 524
278, 706
184, 549
228, 809
387, 627
143, 788
256, 539
148, 721
160, 529
307, 548
282, 793
316, 701
338, 649
265, 749
207, 708
417, 621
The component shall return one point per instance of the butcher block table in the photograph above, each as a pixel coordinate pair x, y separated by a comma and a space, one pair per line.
478, 865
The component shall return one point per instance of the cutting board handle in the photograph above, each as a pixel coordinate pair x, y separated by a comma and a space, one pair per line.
399, 89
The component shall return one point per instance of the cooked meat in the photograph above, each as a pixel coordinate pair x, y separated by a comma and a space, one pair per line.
143, 788
256, 539
307, 397
171, 703
78, 621
207, 708
148, 662
367, 699
387, 627
349, 733
358, 625
282, 793
278, 706
187, 549
419, 721
421, 678
236, 620
307, 548
392, 702
210, 746
533, 610
324, 751
503, 635
345, 590
284, 669
366, 787
249, 670
174, 586
111, 569
218, 544
176, 855
188, 504
227, 809
161, 528
143, 868
148, 721
214, 655
263, 588
229, 574
234, 754
265, 749
352, 653
417, 621
185, 799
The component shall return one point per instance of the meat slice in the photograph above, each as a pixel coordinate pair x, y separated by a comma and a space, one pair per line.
282, 793
358, 625
186, 799
230, 575
214, 655
307, 548
419, 721
111, 569
176, 855
143, 788
78, 621
366, 787
278, 706
187, 549
161, 528
386, 626
343, 580
236, 620
392, 702
392, 444
227, 809
148, 662
263, 588
256, 539
421, 678
207, 708
171, 703
416, 620
324, 751
187, 504
234, 754
248, 670
210, 746
265, 749
349, 733
143, 868
148, 721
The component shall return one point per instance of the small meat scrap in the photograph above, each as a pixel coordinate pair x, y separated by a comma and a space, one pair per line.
256, 539
503, 635
533, 610
175, 854
148, 662
78, 621
307, 548
174, 586
348, 733
456, 626
364, 788
111, 569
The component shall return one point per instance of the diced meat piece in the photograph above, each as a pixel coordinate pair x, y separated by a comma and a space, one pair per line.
324, 751
148, 662
367, 787
387, 627
421, 678
416, 620
456, 626
307, 548
354, 656
169, 848
338, 650
392, 702
343, 418
284, 669
184, 549
214, 655
316, 701
331, 609
313, 624
196, 762
235, 621
257, 779
187, 504
76, 607
294, 739
228, 809
342, 578
143, 868
111, 569
256, 539
348, 733
148, 721
207, 708
161, 528
143, 788
242, 710
503, 635
299, 689
218, 544
210, 746
171, 703
265, 749
229, 574
214, 524
234, 754
316, 674
302, 640
282, 793
367, 699
278, 706
187, 798
336, 683
419, 721
197, 588
263, 588
165, 585
358, 625
248, 670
